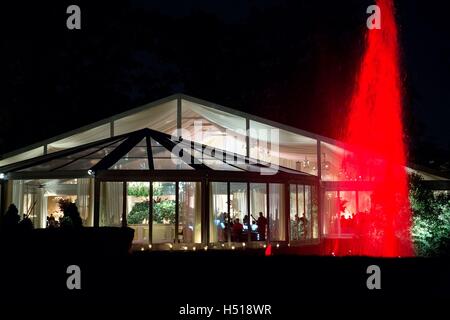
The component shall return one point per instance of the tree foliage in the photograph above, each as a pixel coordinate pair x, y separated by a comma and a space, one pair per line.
163, 212
430, 219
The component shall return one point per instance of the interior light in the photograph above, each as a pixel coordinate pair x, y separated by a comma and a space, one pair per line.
2, 176
206, 248
243, 244
265, 245
170, 246
194, 248
91, 172
149, 246
142, 249
278, 245
232, 247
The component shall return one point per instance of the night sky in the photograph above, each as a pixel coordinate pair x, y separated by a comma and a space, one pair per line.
290, 61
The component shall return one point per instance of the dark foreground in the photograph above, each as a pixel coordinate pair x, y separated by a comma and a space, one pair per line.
165, 281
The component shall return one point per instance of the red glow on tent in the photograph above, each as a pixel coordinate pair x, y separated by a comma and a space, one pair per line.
375, 134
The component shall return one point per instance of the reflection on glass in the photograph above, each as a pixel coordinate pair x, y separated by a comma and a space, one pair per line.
189, 221
218, 219
238, 212
138, 210
163, 212
276, 213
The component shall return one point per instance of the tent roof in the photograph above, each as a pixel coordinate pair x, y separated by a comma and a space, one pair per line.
144, 149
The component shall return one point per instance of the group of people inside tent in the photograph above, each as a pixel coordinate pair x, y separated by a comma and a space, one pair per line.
239, 231
11, 220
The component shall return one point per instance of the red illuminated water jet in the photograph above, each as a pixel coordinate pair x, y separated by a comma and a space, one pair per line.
375, 134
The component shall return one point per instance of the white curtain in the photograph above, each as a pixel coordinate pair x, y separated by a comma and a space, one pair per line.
23, 156
161, 118
218, 205
111, 203
222, 119
17, 195
91, 135
258, 201
42, 208
277, 217
84, 199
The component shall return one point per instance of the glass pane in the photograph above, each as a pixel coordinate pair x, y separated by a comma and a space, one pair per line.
301, 230
131, 164
135, 159
189, 221
276, 213
218, 228
331, 213
163, 212
170, 164
81, 164
282, 147
293, 212
347, 210
258, 209
307, 217
44, 200
315, 212
47, 166
70, 162
238, 212
220, 165
138, 210
364, 201
161, 153
111, 204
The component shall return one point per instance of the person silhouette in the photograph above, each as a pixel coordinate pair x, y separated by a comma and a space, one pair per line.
262, 224
11, 218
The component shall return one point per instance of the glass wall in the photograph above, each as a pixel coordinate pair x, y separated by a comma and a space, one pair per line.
345, 211
164, 212
218, 212
277, 220
138, 197
258, 210
43, 200
302, 221
238, 212
189, 221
